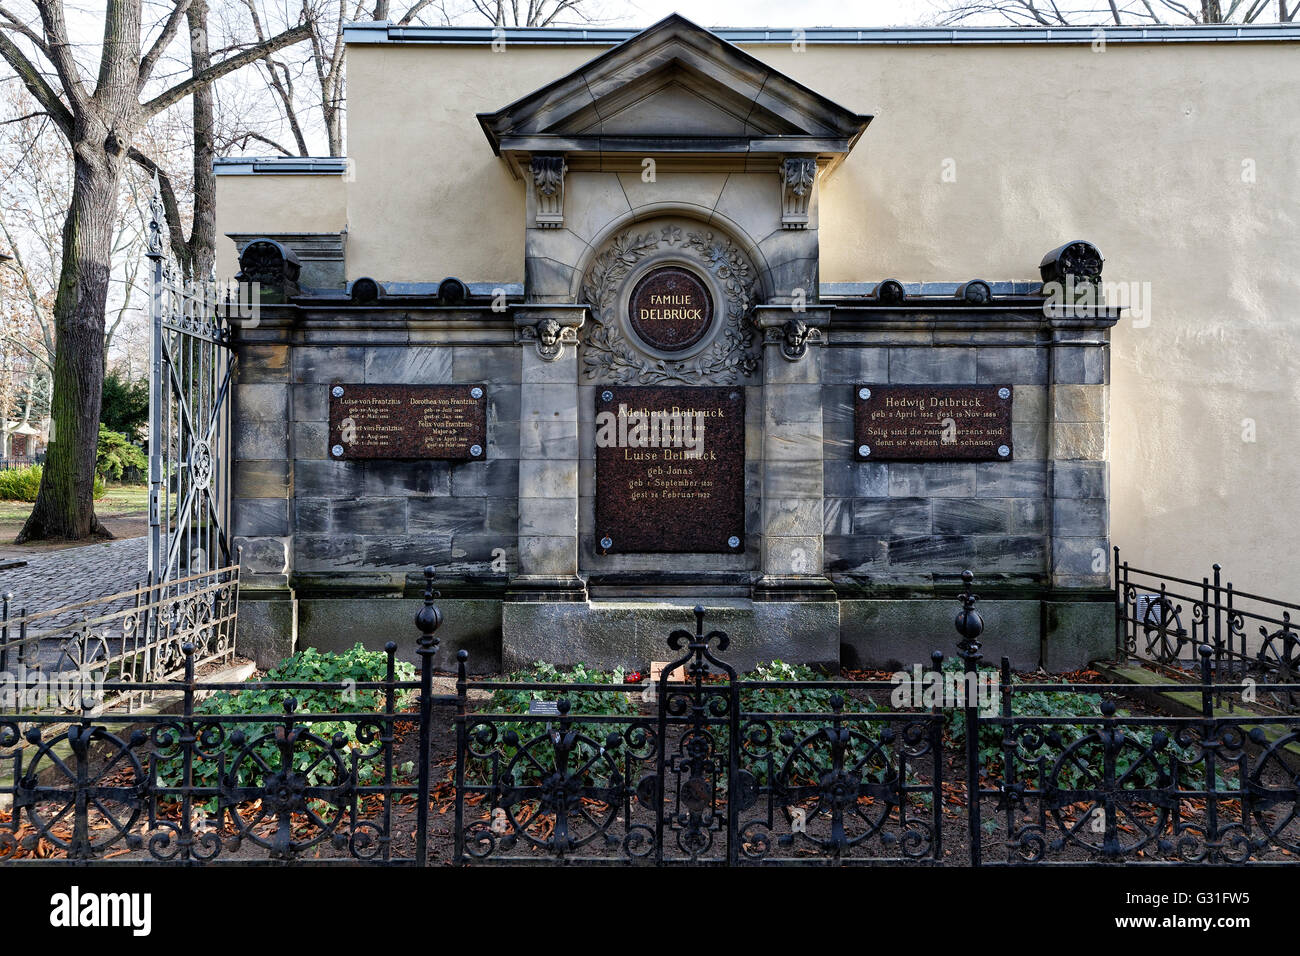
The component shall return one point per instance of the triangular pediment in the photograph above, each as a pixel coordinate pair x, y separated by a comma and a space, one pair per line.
674, 87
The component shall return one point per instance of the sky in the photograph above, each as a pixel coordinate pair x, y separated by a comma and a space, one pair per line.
774, 13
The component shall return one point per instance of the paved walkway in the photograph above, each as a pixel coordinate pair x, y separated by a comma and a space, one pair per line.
54, 579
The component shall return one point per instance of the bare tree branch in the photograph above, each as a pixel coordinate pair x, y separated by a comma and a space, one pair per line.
59, 49
229, 65
169, 30
37, 85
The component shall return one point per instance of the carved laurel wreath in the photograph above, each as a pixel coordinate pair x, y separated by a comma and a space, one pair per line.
610, 357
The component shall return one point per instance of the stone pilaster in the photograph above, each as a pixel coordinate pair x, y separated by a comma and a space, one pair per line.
548, 455
1077, 413
793, 481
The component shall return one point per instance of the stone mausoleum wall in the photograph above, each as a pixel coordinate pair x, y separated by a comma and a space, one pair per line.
674, 151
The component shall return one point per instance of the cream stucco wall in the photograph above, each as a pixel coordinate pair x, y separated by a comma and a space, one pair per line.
1139, 149
269, 203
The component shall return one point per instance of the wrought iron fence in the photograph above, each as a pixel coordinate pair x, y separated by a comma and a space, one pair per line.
1163, 620
120, 647
708, 769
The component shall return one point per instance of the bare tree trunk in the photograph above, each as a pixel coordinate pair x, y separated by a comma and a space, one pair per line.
203, 234
65, 503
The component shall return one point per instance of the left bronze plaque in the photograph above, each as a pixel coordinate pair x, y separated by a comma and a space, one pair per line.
408, 421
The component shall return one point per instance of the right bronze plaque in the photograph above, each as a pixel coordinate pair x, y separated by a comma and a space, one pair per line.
933, 422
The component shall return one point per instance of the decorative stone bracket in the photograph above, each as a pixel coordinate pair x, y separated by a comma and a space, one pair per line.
549, 328
798, 178
791, 331
548, 188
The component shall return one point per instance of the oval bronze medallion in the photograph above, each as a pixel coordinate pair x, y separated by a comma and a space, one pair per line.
670, 309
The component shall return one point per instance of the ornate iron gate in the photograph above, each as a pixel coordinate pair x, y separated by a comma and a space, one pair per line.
717, 771
189, 419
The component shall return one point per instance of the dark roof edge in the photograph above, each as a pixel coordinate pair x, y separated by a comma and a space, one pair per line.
384, 32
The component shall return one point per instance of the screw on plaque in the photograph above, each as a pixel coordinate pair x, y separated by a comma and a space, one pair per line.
337, 451
475, 450
733, 542
476, 392
1004, 451
338, 391
607, 542
1004, 392
864, 450
864, 393
606, 396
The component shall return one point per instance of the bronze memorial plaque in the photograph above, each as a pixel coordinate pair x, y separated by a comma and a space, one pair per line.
408, 421
670, 309
932, 422
670, 470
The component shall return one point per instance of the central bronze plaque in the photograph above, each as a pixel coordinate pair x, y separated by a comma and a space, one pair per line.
408, 421
670, 470
670, 309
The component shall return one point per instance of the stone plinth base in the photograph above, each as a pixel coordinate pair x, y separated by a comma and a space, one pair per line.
895, 634
607, 634
885, 633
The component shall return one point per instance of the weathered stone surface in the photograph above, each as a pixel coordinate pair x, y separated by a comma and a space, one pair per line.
1015, 366
267, 630
1079, 440
931, 366
497, 478
260, 517
262, 479
891, 516
336, 624
932, 479
1029, 404
969, 516
1080, 365
263, 555
895, 634
261, 403
311, 403
369, 515
853, 365
311, 515
1079, 403
263, 363
1080, 479
408, 365
1081, 516
1011, 479
1078, 632
329, 364
631, 634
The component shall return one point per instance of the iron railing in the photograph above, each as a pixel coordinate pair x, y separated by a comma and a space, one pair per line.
22, 461
129, 642
708, 769
1163, 620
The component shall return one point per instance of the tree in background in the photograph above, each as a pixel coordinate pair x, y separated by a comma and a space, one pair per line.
307, 89
1049, 13
101, 119
125, 407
